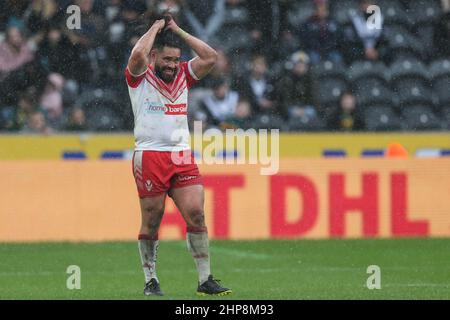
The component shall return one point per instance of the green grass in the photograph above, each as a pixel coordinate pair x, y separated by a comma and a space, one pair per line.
301, 269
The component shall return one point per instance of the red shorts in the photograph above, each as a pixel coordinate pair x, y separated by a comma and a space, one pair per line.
157, 172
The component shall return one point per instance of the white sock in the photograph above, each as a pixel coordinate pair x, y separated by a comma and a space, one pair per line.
198, 245
148, 250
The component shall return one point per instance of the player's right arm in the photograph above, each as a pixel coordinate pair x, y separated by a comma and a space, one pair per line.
137, 63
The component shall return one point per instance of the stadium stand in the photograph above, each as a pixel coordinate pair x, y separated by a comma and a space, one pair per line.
400, 83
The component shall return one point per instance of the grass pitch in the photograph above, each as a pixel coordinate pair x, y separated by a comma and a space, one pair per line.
295, 269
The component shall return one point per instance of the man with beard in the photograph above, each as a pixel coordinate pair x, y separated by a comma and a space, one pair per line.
158, 84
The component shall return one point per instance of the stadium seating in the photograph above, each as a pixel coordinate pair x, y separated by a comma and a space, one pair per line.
329, 70
233, 35
299, 13
372, 92
307, 125
441, 88
446, 117
360, 70
424, 15
403, 44
381, 118
420, 117
342, 11
406, 89
411, 69
439, 68
412, 92
440, 81
424, 12
328, 91
266, 121
394, 14
101, 117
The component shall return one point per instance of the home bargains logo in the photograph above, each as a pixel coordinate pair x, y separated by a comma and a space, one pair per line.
176, 109
153, 107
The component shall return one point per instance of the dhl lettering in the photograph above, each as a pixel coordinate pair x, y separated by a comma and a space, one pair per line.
312, 199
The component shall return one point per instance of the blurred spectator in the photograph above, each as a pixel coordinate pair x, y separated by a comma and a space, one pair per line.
288, 41
442, 32
51, 101
92, 26
57, 53
445, 5
89, 40
95, 55
42, 13
219, 106
14, 117
126, 26
242, 115
77, 120
37, 124
258, 87
295, 88
11, 11
112, 10
222, 69
26, 105
18, 68
320, 35
204, 17
14, 51
360, 41
234, 31
264, 26
347, 117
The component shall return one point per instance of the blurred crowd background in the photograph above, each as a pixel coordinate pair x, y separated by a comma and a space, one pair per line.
295, 65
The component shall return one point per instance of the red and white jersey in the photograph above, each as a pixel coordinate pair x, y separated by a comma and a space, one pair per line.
160, 109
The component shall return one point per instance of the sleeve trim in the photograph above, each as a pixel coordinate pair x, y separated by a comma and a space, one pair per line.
193, 75
137, 76
132, 80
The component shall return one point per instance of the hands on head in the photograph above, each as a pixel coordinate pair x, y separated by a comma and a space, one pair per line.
167, 23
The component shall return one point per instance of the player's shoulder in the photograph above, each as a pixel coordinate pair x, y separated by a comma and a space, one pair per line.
134, 80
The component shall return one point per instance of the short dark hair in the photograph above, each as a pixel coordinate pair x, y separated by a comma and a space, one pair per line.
167, 39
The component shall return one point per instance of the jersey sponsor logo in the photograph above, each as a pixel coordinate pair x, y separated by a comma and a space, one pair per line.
152, 107
176, 109
155, 107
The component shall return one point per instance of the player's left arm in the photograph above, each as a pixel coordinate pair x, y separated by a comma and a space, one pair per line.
206, 56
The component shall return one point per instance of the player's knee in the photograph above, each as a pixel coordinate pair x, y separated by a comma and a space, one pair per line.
154, 210
151, 219
197, 218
